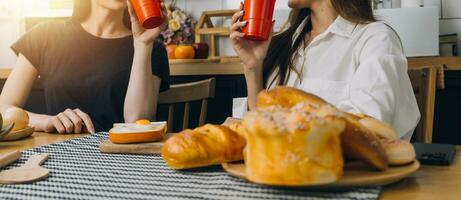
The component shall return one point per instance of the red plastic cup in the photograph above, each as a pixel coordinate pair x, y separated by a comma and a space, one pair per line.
258, 14
149, 13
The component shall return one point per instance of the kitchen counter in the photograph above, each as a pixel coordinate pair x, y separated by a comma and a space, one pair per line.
450, 62
217, 66
233, 66
213, 66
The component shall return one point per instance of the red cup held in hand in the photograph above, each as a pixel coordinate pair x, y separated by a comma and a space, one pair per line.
149, 13
258, 15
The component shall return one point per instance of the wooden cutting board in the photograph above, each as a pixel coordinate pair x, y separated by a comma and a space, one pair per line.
140, 148
31, 171
8, 158
143, 148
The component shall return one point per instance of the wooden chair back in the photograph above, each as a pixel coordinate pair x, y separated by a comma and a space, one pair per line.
424, 81
185, 94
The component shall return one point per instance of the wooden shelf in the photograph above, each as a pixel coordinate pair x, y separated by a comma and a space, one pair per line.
450, 62
233, 66
183, 61
216, 31
212, 66
190, 69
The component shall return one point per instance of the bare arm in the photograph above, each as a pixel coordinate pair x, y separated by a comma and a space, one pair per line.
16, 91
252, 54
254, 80
143, 87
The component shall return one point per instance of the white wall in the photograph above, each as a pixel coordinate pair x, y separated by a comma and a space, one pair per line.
450, 13
10, 30
450, 21
196, 7
450, 16
12, 26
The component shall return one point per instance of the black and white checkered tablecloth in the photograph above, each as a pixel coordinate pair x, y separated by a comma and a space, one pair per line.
80, 171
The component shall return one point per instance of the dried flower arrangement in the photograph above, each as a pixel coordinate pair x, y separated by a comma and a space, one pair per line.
180, 26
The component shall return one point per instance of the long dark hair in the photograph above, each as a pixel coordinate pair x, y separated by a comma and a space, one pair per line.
82, 9
280, 55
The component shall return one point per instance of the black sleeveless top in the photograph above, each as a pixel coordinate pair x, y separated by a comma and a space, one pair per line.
79, 70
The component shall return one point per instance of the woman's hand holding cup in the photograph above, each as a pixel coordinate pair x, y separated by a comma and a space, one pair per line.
252, 53
141, 34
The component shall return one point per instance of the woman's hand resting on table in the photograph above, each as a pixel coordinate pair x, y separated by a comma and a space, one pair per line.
252, 53
69, 121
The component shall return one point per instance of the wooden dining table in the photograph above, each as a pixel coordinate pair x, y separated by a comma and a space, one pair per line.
429, 182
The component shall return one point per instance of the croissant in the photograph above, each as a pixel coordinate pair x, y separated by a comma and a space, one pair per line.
203, 146
357, 140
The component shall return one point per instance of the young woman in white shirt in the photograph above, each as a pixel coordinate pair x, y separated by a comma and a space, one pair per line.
337, 50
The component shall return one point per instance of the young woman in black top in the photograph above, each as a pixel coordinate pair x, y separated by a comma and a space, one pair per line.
98, 68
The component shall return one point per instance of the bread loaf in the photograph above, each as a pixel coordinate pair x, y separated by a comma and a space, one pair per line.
203, 146
357, 140
16, 116
288, 147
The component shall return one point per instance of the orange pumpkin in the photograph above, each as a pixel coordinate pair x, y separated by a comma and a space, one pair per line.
184, 52
170, 49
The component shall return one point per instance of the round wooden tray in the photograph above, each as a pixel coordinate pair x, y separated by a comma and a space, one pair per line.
356, 174
17, 135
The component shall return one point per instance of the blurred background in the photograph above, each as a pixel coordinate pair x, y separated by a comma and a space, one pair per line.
12, 23
13, 14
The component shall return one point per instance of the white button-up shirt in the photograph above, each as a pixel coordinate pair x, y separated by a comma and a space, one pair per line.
360, 68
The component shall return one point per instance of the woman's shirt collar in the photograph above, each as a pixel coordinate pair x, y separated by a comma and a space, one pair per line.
340, 27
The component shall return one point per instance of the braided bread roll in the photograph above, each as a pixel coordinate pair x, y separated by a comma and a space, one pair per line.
203, 146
